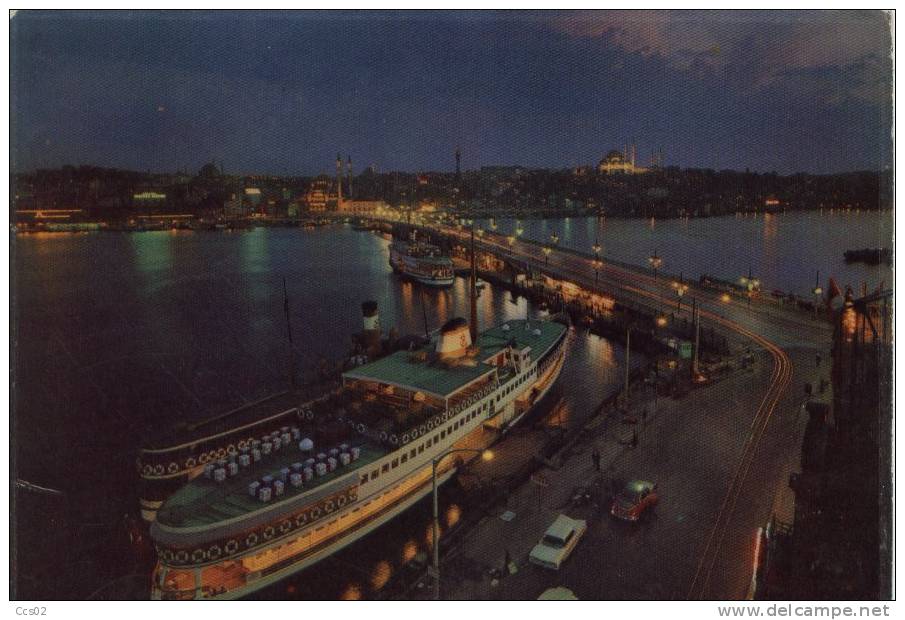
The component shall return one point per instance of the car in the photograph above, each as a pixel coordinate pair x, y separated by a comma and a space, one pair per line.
558, 542
634, 499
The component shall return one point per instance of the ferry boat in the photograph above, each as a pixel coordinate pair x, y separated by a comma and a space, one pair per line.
174, 456
422, 262
282, 500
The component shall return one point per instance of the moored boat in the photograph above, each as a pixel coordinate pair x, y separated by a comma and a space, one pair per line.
350, 462
422, 262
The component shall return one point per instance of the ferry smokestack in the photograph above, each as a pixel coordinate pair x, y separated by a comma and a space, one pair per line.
455, 339
370, 316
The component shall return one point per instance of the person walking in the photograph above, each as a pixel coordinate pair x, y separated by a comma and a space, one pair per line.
595, 457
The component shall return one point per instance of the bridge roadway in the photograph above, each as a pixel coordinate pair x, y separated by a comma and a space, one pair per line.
722, 464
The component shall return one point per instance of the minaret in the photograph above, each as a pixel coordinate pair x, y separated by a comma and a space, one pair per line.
349, 173
339, 182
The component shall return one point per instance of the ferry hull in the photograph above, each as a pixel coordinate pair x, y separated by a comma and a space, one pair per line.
239, 574
549, 379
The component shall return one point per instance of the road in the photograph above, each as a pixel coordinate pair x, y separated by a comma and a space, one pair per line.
721, 455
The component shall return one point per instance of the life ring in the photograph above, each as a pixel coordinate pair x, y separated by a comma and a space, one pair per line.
285, 526
268, 532
309, 415
181, 556
172, 468
190, 462
203, 458
383, 436
360, 428
158, 469
315, 513
198, 556
394, 440
341, 501
328, 506
251, 540
421, 430
242, 444
405, 438
430, 424
221, 453
231, 546
214, 552
147, 470
231, 449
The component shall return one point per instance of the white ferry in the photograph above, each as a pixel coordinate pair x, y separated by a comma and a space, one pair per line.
422, 262
280, 502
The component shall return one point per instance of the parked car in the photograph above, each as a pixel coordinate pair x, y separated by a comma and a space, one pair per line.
558, 542
634, 499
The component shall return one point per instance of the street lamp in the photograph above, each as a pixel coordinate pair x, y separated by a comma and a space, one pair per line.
818, 291
547, 250
681, 289
492, 224
597, 262
486, 455
518, 228
554, 238
655, 262
510, 240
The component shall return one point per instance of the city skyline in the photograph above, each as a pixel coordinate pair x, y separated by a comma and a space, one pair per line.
282, 93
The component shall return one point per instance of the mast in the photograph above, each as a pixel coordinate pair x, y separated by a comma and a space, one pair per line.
289, 333
473, 323
427, 333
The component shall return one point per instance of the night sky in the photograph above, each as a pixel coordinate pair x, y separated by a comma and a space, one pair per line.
282, 93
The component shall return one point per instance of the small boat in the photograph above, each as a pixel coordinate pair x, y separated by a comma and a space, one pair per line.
422, 262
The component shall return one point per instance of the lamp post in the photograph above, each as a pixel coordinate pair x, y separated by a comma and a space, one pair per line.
547, 250
597, 263
486, 455
681, 289
510, 240
655, 262
818, 291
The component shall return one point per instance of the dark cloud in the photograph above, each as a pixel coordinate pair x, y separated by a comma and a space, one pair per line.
283, 92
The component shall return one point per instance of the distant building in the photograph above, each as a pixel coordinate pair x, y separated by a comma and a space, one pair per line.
363, 207
149, 198
318, 195
253, 196
618, 162
232, 207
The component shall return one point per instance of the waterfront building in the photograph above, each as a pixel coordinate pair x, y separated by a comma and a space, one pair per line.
363, 207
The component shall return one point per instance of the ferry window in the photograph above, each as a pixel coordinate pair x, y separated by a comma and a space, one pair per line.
442, 434
395, 463
364, 478
413, 453
385, 468
449, 429
436, 439
373, 474
405, 458
420, 448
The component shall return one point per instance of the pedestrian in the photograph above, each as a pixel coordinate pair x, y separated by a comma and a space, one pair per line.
595, 457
